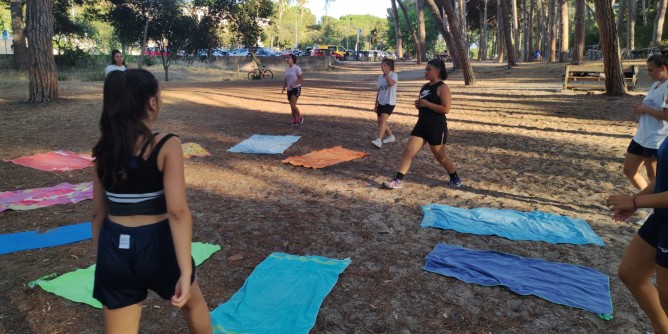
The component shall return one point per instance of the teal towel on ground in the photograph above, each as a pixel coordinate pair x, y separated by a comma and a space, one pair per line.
77, 285
264, 144
511, 224
282, 295
14, 242
560, 283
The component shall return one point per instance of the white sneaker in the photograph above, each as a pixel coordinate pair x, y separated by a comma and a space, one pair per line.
377, 142
389, 139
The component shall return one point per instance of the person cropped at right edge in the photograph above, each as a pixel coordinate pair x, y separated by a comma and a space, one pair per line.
432, 127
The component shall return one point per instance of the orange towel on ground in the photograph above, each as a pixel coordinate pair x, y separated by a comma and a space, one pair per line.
324, 158
194, 150
58, 161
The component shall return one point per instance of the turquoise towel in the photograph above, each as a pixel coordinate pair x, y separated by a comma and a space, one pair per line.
282, 295
77, 285
14, 242
511, 224
264, 144
560, 283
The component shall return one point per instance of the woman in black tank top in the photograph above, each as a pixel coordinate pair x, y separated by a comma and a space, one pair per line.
433, 104
143, 239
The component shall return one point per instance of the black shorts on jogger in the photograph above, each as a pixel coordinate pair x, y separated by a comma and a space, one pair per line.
132, 260
294, 92
433, 131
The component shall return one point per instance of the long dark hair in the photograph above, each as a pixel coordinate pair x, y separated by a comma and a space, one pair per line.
440, 65
660, 59
126, 97
113, 53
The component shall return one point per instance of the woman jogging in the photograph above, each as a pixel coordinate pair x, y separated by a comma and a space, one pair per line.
142, 227
652, 125
432, 127
386, 99
293, 82
117, 63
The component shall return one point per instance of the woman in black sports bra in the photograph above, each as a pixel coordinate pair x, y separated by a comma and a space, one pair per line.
142, 227
433, 104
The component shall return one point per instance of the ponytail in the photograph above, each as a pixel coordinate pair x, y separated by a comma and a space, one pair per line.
440, 65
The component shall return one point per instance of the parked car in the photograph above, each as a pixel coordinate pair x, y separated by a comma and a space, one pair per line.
239, 52
155, 52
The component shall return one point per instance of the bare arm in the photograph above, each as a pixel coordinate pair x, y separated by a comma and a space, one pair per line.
180, 220
390, 81
658, 114
99, 208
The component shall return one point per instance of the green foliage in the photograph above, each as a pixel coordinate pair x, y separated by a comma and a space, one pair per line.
243, 16
408, 44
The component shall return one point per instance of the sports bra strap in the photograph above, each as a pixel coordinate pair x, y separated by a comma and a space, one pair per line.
148, 141
158, 146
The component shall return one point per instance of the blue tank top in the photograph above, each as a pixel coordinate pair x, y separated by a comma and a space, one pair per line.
661, 184
142, 193
429, 93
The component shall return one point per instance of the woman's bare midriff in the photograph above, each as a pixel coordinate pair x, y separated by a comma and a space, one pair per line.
138, 220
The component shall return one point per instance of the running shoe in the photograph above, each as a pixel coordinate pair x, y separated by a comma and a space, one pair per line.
455, 183
300, 120
377, 142
294, 122
389, 139
393, 183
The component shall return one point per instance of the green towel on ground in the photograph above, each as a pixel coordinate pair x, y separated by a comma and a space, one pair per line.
78, 285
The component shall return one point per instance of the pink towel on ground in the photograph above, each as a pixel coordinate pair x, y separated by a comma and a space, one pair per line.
58, 161
324, 158
194, 150
29, 199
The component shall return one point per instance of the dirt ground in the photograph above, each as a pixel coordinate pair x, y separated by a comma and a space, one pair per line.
518, 141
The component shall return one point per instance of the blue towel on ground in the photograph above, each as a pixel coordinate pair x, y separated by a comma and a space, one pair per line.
14, 242
511, 224
282, 295
264, 144
560, 283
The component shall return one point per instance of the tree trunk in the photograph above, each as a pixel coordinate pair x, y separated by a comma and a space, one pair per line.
515, 29
525, 31
631, 26
422, 35
19, 38
620, 15
644, 13
441, 19
563, 7
397, 30
462, 52
143, 42
507, 35
483, 42
612, 64
658, 22
411, 31
578, 47
42, 66
552, 30
500, 41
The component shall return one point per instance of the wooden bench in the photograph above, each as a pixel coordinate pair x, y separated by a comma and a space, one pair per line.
592, 77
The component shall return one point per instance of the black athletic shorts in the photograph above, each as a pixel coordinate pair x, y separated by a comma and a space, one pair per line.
294, 92
384, 109
655, 232
434, 131
132, 260
637, 149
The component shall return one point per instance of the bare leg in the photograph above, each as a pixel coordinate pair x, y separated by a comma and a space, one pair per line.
123, 320
650, 167
382, 126
632, 164
412, 148
293, 107
637, 266
196, 312
443, 158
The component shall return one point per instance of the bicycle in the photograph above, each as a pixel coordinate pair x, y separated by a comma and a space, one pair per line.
261, 73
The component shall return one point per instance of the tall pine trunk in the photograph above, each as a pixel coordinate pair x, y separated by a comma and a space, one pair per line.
397, 30
19, 38
612, 64
441, 19
422, 34
658, 22
563, 9
411, 30
483, 41
620, 14
552, 30
42, 66
507, 33
500, 41
462, 52
515, 29
631, 26
578, 49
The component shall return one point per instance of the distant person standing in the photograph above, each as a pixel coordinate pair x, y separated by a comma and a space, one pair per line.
431, 128
386, 99
293, 83
652, 124
117, 63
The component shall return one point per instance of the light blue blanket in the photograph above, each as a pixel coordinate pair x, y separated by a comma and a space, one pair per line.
282, 295
264, 144
511, 224
560, 283
14, 242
